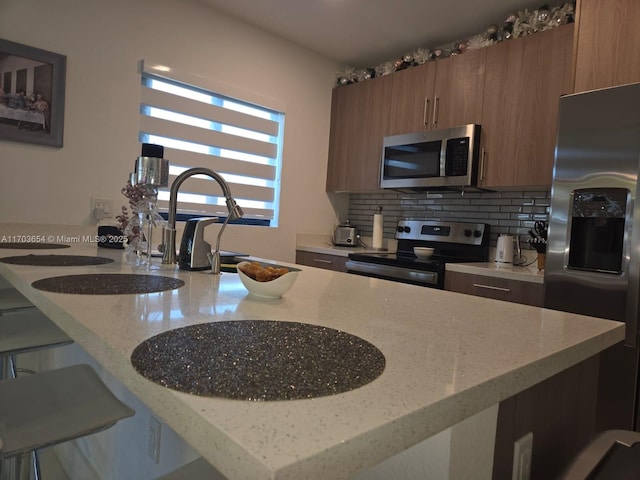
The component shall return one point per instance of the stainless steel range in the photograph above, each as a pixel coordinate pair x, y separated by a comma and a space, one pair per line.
451, 241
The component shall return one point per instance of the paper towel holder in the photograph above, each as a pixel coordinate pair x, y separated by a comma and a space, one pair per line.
378, 230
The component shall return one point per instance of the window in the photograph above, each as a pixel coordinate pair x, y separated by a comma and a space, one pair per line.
239, 140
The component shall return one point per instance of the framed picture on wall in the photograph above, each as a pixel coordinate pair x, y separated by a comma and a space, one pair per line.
32, 87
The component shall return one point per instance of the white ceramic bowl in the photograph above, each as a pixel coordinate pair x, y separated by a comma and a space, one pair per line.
273, 288
423, 252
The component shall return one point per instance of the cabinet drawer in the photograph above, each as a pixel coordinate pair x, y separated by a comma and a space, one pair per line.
515, 291
321, 260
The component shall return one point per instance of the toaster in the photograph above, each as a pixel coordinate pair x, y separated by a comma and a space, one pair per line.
345, 236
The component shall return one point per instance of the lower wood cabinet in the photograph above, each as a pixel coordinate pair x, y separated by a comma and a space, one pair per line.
560, 412
321, 260
516, 291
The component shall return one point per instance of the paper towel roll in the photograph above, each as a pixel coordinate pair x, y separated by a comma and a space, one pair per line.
378, 221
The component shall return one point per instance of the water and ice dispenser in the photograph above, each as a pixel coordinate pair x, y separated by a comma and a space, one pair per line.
598, 217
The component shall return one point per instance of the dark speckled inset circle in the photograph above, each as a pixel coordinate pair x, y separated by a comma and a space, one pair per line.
258, 360
32, 246
107, 284
55, 260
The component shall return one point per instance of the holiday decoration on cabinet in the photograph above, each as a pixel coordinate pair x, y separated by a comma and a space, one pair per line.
514, 26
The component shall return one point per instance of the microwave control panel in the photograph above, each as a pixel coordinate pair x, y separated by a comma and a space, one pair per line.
457, 158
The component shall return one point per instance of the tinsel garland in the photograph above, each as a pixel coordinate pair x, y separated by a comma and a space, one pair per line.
520, 25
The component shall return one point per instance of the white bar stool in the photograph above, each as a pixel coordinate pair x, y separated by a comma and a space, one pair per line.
52, 407
11, 300
23, 328
26, 331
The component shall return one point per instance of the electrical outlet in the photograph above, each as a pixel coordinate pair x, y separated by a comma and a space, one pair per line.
153, 440
522, 454
101, 208
97, 203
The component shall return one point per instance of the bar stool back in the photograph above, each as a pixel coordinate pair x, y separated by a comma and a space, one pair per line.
11, 300
52, 407
24, 332
23, 328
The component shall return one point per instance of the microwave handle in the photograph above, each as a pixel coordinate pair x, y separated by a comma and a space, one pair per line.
425, 116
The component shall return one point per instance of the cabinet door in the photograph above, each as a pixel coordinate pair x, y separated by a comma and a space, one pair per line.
441, 94
359, 117
524, 79
608, 46
515, 291
412, 99
321, 260
458, 92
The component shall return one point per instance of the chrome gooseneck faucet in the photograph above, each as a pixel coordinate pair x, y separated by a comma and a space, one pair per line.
169, 241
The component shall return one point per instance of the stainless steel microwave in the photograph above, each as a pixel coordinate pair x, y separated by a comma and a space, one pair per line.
446, 158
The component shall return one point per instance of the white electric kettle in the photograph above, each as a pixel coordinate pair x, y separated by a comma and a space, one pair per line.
504, 249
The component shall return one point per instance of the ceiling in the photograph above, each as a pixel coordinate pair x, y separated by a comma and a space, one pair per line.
363, 33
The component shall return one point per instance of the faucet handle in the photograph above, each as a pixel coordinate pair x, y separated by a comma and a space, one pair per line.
194, 250
202, 222
201, 248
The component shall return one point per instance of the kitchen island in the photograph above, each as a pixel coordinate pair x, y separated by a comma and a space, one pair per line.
449, 357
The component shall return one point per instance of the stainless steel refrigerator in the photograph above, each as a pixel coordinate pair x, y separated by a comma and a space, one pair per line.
593, 250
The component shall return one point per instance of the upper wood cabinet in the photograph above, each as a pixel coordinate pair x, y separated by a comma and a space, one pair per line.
441, 94
524, 79
359, 120
511, 89
608, 45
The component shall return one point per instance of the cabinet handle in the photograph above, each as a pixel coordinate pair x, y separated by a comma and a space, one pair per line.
320, 260
482, 157
436, 103
425, 117
492, 287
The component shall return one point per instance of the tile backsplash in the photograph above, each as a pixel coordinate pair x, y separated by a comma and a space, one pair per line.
512, 212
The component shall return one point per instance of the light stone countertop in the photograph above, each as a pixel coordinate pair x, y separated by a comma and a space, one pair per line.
321, 243
318, 243
448, 357
493, 269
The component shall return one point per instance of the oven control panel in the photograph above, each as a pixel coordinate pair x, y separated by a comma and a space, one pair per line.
448, 232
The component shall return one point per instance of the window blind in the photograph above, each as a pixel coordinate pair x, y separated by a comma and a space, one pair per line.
239, 140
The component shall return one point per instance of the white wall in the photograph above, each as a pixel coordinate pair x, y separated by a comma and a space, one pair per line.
103, 42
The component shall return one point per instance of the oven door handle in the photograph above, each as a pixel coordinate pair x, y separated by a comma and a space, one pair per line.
400, 273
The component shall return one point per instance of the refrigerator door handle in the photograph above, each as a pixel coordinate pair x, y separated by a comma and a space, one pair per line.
631, 320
